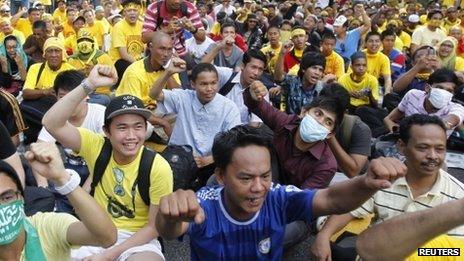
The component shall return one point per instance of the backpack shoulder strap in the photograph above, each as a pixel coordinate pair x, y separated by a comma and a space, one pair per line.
42, 67
348, 124
159, 19
228, 85
100, 165
143, 177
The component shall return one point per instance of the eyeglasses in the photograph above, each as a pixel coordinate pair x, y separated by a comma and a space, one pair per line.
9, 196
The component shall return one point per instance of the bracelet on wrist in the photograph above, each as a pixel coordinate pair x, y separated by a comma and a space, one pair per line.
86, 87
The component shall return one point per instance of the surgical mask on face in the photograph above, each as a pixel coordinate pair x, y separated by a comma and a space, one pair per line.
85, 47
11, 221
439, 98
311, 130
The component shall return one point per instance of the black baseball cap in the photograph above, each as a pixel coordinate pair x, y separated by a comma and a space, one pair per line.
126, 104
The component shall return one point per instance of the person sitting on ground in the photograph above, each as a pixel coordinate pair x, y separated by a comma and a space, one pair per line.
14, 64
246, 217
35, 43
442, 85
201, 113
396, 57
115, 188
225, 53
334, 64
362, 86
446, 51
250, 31
291, 54
70, 43
426, 184
49, 236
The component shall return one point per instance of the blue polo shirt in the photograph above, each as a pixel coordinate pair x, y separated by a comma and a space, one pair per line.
221, 237
350, 45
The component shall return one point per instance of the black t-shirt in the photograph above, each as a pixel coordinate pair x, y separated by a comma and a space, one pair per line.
7, 147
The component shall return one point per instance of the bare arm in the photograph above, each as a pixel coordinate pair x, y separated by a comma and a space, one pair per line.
405, 238
279, 71
209, 57
177, 65
404, 80
125, 55
15, 18
32, 94
147, 36
366, 27
393, 118
387, 83
350, 164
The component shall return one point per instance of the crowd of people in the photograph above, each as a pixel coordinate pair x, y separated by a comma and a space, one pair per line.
248, 125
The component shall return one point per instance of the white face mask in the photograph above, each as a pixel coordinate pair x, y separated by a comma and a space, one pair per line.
439, 98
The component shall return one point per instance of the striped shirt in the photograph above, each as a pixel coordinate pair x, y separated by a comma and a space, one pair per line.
151, 20
398, 199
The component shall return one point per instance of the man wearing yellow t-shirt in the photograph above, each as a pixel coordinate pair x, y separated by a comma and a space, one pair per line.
49, 236
100, 16
142, 75
126, 36
96, 28
59, 15
71, 16
272, 49
334, 64
289, 58
131, 206
451, 18
40, 77
378, 64
25, 24
70, 43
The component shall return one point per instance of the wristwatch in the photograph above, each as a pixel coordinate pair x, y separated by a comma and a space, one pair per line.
86, 87
71, 185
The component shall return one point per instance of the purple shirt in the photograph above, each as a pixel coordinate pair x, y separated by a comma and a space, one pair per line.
413, 102
305, 169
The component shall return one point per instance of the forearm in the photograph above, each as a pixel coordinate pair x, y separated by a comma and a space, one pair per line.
147, 36
125, 55
57, 116
169, 229
157, 87
452, 121
388, 84
279, 72
346, 163
209, 57
428, 224
334, 224
31, 94
141, 237
403, 82
22, 71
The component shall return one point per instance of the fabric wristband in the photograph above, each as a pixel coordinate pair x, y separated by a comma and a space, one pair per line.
71, 185
86, 87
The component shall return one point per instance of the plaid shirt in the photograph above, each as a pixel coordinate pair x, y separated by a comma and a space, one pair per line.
295, 97
151, 18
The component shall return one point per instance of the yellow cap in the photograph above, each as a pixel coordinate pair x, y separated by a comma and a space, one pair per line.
57, 43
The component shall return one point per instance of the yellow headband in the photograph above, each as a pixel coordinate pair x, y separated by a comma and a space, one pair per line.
298, 31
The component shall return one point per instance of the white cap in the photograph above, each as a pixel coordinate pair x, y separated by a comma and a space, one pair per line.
340, 21
5, 7
413, 18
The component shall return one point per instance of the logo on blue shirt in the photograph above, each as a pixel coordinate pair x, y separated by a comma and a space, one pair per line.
264, 246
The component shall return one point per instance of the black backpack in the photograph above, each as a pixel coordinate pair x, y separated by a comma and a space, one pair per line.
184, 168
143, 176
159, 19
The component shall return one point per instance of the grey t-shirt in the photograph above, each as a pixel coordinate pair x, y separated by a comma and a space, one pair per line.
232, 61
360, 140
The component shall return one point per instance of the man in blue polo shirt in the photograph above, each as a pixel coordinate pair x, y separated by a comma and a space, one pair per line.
245, 218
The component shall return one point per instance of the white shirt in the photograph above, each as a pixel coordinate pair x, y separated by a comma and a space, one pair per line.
198, 50
229, 10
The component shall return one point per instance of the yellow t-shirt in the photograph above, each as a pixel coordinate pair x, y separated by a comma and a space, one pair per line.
442, 241
59, 16
368, 81
406, 39
103, 59
68, 30
459, 65
398, 43
161, 183
19, 35
334, 64
52, 229
106, 24
25, 26
272, 55
378, 64
97, 30
125, 35
47, 78
70, 43
137, 81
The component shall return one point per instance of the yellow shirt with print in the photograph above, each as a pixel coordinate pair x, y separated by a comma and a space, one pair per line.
68, 30
60, 16
98, 31
161, 183
378, 64
47, 78
368, 81
18, 34
52, 229
103, 59
334, 64
25, 26
442, 241
272, 54
137, 81
126, 35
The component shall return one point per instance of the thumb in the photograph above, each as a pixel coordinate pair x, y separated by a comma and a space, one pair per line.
200, 216
29, 155
380, 184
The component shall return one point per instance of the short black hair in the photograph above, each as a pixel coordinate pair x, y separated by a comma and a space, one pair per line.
331, 104
370, 34
358, 55
202, 67
311, 59
228, 24
9, 171
328, 36
253, 53
418, 119
225, 143
423, 47
39, 24
444, 75
338, 91
32, 9
286, 21
68, 80
433, 12
388, 32
127, 2
81, 18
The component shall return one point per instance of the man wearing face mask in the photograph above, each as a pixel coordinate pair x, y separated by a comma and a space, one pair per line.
435, 100
86, 56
